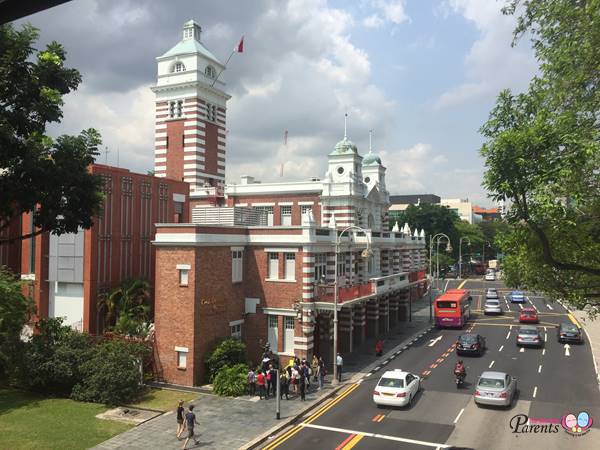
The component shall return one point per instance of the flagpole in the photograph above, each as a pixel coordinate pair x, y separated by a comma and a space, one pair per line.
224, 67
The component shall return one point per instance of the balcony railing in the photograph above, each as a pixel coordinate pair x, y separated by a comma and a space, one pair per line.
325, 293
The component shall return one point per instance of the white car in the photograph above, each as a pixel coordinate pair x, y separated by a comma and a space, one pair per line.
396, 388
490, 275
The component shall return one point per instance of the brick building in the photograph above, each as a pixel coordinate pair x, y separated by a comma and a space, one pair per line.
68, 272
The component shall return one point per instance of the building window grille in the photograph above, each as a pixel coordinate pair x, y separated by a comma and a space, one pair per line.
290, 266
211, 112
305, 209
320, 267
178, 67
236, 331
273, 322
289, 323
175, 109
286, 215
210, 72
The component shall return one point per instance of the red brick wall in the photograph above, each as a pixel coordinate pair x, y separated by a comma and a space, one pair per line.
210, 152
175, 149
10, 254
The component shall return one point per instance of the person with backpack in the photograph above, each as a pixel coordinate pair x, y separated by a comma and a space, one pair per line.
322, 372
302, 385
314, 365
190, 422
272, 381
260, 383
251, 382
284, 385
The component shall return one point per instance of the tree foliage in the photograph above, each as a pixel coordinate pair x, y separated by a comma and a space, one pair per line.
54, 356
112, 374
15, 310
228, 353
542, 153
231, 381
46, 176
127, 307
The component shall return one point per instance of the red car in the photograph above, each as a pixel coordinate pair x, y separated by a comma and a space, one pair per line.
528, 315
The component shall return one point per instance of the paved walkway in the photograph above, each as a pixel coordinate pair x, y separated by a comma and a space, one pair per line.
230, 423
592, 329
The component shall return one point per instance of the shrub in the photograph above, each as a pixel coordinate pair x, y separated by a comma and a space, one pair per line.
112, 374
231, 381
228, 353
53, 358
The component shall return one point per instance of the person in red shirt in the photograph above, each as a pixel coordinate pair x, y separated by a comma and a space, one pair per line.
260, 382
379, 348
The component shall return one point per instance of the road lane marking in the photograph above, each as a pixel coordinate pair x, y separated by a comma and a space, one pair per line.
439, 360
361, 380
522, 350
543, 352
545, 328
432, 342
433, 366
345, 441
331, 404
534, 392
461, 285
381, 418
501, 347
491, 364
375, 418
549, 307
511, 327
567, 351
520, 306
545, 337
459, 414
376, 435
445, 355
507, 335
377, 368
574, 320
284, 437
540, 369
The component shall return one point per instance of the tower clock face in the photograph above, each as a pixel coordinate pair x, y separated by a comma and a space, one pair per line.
340, 170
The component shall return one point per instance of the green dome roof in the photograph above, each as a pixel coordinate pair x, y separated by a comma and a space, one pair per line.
371, 159
345, 146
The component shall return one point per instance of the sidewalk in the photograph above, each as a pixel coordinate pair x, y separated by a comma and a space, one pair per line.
592, 330
229, 423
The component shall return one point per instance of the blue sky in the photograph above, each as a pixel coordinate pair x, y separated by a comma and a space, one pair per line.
422, 73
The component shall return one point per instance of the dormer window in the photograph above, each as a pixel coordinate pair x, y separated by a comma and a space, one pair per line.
188, 33
210, 72
178, 67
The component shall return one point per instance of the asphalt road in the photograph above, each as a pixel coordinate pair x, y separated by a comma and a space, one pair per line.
550, 385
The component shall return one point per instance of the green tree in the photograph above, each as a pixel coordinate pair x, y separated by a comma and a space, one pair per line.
46, 176
431, 218
542, 153
54, 356
15, 310
227, 353
231, 381
491, 230
127, 307
112, 374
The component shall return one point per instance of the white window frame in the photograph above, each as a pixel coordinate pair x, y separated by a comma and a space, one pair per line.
236, 330
237, 266
320, 266
184, 277
285, 213
210, 72
273, 256
181, 359
178, 67
290, 268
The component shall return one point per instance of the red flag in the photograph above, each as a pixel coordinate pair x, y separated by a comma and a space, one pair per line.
240, 47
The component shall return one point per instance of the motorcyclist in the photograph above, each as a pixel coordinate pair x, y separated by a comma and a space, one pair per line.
459, 370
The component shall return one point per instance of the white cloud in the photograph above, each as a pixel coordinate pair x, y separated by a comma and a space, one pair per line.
491, 63
373, 21
393, 10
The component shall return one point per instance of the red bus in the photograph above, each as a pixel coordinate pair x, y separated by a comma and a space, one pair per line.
452, 308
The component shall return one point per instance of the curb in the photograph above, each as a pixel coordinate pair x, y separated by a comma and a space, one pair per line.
368, 370
594, 359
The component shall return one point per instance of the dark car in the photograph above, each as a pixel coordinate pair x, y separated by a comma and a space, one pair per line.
470, 344
569, 332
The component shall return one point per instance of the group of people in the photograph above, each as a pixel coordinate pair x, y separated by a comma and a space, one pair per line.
295, 378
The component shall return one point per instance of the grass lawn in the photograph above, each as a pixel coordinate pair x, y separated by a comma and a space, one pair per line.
163, 399
30, 421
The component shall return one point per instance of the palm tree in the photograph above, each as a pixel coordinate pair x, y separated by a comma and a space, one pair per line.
127, 303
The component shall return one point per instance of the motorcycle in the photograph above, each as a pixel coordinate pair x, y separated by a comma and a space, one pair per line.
459, 378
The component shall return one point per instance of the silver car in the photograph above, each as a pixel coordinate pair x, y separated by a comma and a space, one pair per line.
491, 293
529, 335
495, 388
492, 307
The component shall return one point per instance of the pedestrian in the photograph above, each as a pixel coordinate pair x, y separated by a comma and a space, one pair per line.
302, 384
190, 422
180, 411
339, 362
295, 378
260, 383
305, 374
322, 372
273, 378
251, 382
379, 348
270, 380
284, 385
314, 365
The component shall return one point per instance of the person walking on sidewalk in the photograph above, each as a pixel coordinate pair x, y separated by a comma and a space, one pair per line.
190, 422
295, 379
339, 362
179, 412
251, 382
302, 384
260, 383
284, 385
379, 348
314, 365
273, 377
322, 371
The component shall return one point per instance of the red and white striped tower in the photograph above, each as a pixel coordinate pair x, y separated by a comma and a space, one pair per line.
190, 113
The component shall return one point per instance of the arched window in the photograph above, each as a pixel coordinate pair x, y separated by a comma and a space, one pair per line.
210, 72
178, 67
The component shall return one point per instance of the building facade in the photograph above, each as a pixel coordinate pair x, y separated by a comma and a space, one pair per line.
67, 273
463, 207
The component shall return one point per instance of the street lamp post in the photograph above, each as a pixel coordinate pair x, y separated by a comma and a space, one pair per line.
483, 251
365, 254
460, 254
437, 237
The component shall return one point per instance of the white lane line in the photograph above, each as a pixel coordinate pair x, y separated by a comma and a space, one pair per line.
375, 435
534, 392
507, 335
545, 337
540, 369
522, 350
491, 364
510, 327
377, 368
549, 307
459, 414
520, 306
545, 328
501, 347
360, 381
543, 352
534, 307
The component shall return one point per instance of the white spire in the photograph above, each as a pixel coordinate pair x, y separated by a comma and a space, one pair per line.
407, 229
416, 234
422, 235
345, 123
396, 228
370, 140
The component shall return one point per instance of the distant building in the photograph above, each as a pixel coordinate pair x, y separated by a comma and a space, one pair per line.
486, 214
462, 207
70, 271
400, 202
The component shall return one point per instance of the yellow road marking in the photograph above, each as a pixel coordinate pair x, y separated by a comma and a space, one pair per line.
574, 320
326, 408
353, 442
283, 438
461, 284
381, 418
